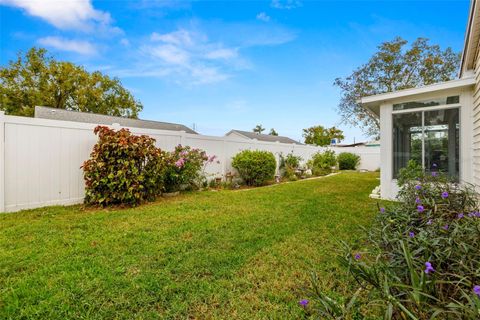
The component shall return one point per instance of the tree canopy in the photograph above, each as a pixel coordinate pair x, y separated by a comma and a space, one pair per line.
393, 67
321, 136
35, 79
273, 132
258, 128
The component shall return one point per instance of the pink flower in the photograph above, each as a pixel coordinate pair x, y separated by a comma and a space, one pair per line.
180, 162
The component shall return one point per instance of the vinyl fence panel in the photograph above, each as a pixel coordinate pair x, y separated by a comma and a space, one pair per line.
40, 162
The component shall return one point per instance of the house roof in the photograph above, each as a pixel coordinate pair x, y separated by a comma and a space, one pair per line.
472, 37
373, 102
87, 117
263, 137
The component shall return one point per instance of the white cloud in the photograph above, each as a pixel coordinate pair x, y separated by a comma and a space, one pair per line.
286, 4
263, 17
169, 53
125, 42
186, 56
222, 54
67, 15
77, 46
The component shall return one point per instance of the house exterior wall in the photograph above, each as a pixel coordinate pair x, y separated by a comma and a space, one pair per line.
389, 188
476, 125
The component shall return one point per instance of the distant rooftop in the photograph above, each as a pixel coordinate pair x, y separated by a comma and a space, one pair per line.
87, 117
263, 137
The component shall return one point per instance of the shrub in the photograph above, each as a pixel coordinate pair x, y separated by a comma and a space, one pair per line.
424, 261
123, 169
322, 162
289, 166
348, 161
185, 168
412, 171
255, 167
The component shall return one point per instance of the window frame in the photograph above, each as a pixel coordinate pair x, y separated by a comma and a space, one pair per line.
422, 110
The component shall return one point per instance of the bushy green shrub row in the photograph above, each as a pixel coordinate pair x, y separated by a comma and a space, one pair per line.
126, 169
423, 256
323, 162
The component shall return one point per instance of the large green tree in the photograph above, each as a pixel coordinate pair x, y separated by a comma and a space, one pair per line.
393, 67
321, 136
36, 79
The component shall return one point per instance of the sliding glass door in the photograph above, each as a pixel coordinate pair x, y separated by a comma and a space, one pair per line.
430, 138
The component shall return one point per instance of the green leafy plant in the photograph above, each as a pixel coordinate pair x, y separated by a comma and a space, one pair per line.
123, 169
411, 172
348, 161
255, 167
289, 166
322, 162
424, 256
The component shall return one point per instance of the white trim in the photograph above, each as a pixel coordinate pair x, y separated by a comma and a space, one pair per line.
375, 100
432, 108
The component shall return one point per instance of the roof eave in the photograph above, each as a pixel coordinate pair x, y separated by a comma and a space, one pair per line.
373, 103
471, 41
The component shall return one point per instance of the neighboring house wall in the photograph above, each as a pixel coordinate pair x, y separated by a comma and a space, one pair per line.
40, 159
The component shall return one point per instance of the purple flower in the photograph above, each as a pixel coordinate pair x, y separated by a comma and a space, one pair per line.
382, 210
420, 208
429, 222
476, 290
445, 227
434, 165
418, 200
444, 194
411, 234
418, 187
434, 173
460, 216
358, 256
303, 302
428, 267
471, 214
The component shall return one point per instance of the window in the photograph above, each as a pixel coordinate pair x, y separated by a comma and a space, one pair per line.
426, 103
431, 138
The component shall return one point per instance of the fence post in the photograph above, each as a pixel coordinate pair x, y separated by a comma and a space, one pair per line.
2, 161
183, 137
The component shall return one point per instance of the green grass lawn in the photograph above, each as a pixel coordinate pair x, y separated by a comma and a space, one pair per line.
244, 254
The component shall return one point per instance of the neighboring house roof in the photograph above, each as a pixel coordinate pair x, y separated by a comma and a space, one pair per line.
263, 137
472, 38
87, 117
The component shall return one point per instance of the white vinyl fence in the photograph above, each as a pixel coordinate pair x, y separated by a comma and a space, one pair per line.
40, 159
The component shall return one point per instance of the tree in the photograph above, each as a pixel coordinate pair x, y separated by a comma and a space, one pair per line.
273, 132
321, 136
258, 129
36, 79
393, 67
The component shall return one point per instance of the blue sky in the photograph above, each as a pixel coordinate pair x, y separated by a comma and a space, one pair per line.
228, 64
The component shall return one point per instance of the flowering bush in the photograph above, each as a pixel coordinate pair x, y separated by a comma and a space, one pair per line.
184, 169
425, 261
255, 167
322, 162
123, 169
348, 161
